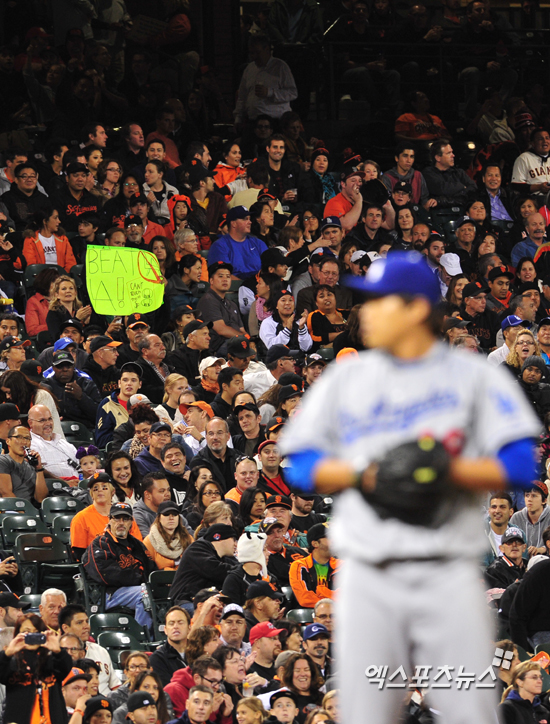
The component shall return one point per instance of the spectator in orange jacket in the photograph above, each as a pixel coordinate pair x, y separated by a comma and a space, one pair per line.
312, 577
45, 247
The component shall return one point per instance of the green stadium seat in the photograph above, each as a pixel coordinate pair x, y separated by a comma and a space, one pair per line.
118, 641
59, 505
301, 615
100, 622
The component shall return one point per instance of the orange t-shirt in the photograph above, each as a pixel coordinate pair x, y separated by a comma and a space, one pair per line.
89, 523
337, 206
234, 494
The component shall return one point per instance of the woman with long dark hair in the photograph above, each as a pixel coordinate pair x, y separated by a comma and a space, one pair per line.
302, 677
118, 208
405, 219
230, 170
150, 682
165, 251
23, 392
326, 322
317, 186
38, 305
168, 537
283, 328
33, 674
268, 287
125, 476
157, 190
109, 172
182, 288
263, 220
46, 246
351, 336
209, 492
252, 506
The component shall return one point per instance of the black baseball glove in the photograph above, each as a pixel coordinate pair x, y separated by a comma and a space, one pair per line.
412, 484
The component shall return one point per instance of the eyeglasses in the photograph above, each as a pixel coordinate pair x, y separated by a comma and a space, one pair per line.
214, 683
26, 176
137, 667
21, 437
130, 183
116, 170
212, 494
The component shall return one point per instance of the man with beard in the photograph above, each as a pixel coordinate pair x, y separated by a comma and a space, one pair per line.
136, 329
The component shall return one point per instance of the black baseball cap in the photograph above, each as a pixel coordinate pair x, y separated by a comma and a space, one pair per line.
139, 700
291, 378
499, 271
213, 268
197, 324
9, 411
316, 532
32, 369
160, 427
403, 186
239, 347
454, 322
168, 507
119, 509
205, 593
219, 532
132, 367
137, 199
134, 320
275, 423
288, 391
132, 219
282, 694
276, 351
314, 359
99, 478
10, 599
102, 341
262, 589
281, 501
273, 257
61, 357
76, 167
473, 289
9, 342
96, 703
72, 322
198, 173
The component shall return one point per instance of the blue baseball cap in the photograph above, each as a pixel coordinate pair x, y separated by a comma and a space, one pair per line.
63, 343
315, 629
512, 321
402, 272
331, 221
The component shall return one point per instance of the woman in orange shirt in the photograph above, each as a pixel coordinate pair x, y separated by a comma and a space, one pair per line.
46, 247
230, 171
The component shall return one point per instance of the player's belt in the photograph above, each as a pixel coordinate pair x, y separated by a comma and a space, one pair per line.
413, 559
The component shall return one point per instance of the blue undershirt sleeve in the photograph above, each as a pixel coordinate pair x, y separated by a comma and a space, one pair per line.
299, 475
518, 460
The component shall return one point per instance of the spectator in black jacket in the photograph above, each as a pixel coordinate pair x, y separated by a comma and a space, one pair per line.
217, 454
448, 185
185, 360
530, 612
101, 364
510, 566
120, 562
522, 704
484, 324
252, 432
531, 380
78, 395
230, 381
74, 200
155, 371
24, 198
205, 563
170, 656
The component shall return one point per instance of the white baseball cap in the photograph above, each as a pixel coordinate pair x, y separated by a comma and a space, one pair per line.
357, 256
373, 255
210, 362
451, 264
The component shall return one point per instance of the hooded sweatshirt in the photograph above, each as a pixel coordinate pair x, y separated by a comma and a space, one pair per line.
533, 531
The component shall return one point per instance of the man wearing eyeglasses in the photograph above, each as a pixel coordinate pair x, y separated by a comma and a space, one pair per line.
18, 478
59, 455
24, 198
121, 562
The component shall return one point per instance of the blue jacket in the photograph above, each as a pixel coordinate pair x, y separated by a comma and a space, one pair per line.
110, 414
244, 256
523, 248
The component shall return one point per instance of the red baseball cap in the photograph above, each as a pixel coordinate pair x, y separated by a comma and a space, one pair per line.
263, 630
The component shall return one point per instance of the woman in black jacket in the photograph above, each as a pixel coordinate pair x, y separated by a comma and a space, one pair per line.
317, 186
33, 674
520, 703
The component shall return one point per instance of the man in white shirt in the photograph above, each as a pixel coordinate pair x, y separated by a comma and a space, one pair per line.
510, 327
267, 85
58, 456
278, 361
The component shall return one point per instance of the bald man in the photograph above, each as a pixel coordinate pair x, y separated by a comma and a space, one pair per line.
58, 455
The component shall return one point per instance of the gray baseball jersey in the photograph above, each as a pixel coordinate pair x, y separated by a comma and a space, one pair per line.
364, 407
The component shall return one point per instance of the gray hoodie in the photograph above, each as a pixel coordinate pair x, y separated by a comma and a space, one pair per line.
533, 531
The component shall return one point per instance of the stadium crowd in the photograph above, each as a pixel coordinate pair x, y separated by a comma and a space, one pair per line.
157, 432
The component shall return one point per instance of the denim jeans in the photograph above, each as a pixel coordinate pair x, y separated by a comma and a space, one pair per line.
130, 596
539, 638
